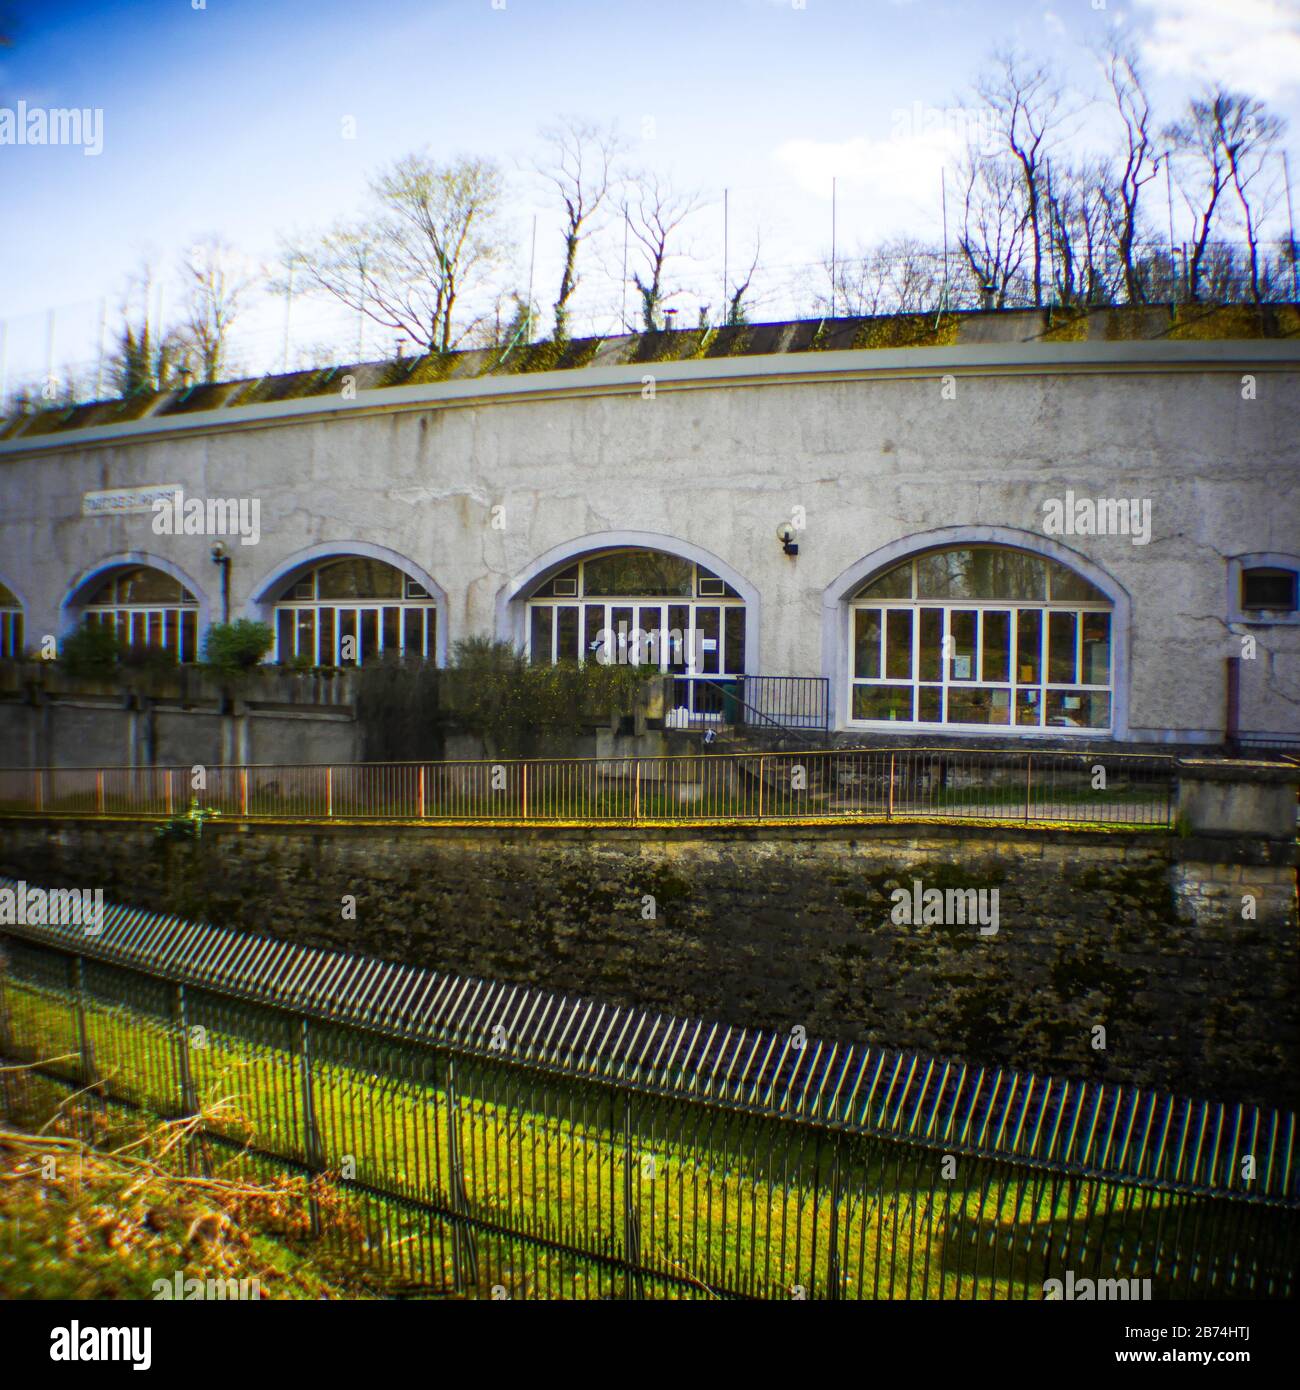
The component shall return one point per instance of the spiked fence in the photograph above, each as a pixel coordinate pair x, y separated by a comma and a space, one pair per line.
1014, 785
497, 1141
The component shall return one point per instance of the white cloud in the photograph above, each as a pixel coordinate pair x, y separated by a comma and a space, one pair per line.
1251, 45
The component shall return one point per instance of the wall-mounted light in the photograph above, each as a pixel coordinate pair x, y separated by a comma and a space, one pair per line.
785, 533
219, 557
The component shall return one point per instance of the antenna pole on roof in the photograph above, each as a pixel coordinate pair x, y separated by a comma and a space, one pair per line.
99, 365
832, 248
1290, 222
1173, 255
943, 201
528, 308
288, 309
622, 311
724, 257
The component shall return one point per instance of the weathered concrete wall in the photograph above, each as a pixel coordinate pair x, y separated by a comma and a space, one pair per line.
1145, 936
873, 461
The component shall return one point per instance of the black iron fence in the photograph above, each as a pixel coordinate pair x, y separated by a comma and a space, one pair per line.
763, 702
497, 1141
865, 784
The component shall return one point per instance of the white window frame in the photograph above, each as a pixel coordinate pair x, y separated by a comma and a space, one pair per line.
1044, 686
426, 605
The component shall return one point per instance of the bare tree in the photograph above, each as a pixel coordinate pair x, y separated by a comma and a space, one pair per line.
1137, 163
736, 309
216, 283
1028, 105
900, 276
1250, 134
655, 216
1080, 208
146, 357
580, 165
994, 219
432, 237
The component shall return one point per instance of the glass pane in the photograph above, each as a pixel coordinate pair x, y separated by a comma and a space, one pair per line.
357, 577
647, 648
980, 572
326, 653
997, 645
1068, 587
1029, 645
347, 637
307, 635
189, 635
931, 710
147, 586
541, 624
1029, 706
7, 600
1061, 631
413, 632
368, 645
895, 583
566, 582
1078, 709
931, 655
392, 629
431, 634
622, 622
978, 705
155, 638
566, 631
708, 623
961, 627
866, 643
898, 643
892, 702
735, 629
630, 572
679, 627
172, 635
594, 636
1096, 648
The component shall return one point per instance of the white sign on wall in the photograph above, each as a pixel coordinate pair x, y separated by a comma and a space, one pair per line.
125, 500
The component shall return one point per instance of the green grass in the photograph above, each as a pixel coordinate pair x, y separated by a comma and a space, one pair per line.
735, 1203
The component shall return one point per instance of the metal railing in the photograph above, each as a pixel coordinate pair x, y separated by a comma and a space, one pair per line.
840, 784
495, 1140
769, 702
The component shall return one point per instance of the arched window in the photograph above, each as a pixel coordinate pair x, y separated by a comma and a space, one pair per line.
346, 611
11, 624
147, 608
977, 637
644, 608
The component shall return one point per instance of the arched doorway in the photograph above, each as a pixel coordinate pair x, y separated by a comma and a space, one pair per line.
658, 607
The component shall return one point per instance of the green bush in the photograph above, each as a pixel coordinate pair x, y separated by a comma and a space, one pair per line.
92, 650
237, 646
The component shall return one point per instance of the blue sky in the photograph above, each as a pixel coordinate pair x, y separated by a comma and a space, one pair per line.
228, 118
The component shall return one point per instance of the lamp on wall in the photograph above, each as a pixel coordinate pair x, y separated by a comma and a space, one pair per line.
219, 557
785, 533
